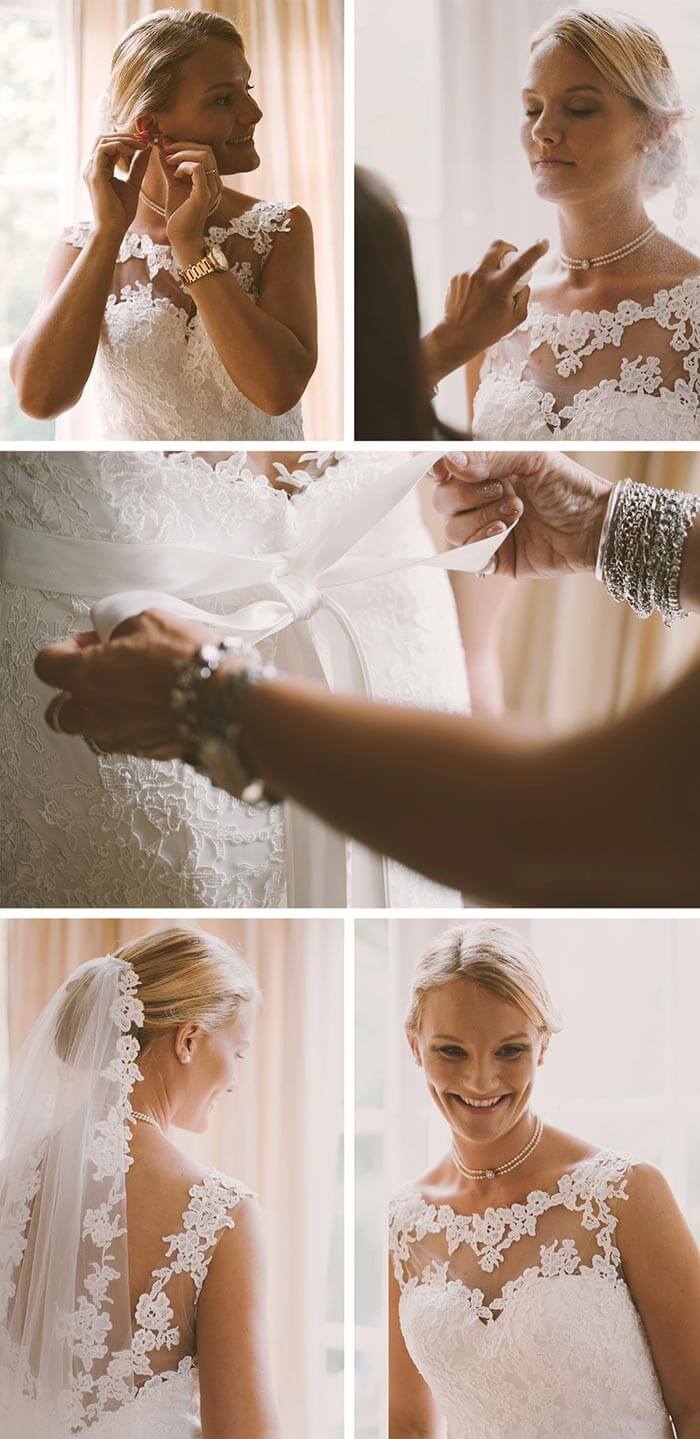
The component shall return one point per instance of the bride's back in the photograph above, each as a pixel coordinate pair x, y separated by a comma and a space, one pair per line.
176, 1214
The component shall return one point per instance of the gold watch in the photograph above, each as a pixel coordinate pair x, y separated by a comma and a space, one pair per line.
214, 260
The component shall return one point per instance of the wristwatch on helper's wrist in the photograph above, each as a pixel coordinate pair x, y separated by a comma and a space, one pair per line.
213, 260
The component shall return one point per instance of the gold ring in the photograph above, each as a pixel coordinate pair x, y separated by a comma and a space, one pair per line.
55, 712
94, 746
210, 172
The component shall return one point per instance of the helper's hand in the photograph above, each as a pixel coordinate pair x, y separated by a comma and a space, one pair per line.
561, 505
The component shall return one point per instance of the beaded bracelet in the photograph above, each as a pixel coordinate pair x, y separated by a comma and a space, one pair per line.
641, 547
213, 747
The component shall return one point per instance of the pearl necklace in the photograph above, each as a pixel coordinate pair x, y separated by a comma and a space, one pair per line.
147, 1118
499, 1169
163, 213
612, 255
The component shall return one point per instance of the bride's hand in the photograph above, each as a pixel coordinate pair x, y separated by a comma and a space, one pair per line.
118, 693
114, 200
561, 506
193, 184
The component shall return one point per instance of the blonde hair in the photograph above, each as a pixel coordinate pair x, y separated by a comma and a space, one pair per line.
491, 956
185, 977
630, 56
146, 63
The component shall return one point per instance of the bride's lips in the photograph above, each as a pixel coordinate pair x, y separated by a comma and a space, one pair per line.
242, 140
480, 1106
552, 164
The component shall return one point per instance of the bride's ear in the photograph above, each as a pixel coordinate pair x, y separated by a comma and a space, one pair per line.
544, 1046
654, 133
147, 127
414, 1047
185, 1042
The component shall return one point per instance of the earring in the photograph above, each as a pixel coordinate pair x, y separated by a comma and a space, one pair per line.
646, 149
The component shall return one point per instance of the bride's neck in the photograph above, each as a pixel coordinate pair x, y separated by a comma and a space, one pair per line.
595, 228
491, 1155
153, 185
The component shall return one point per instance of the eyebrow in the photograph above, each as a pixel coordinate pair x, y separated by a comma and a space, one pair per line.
521, 1034
221, 85
594, 89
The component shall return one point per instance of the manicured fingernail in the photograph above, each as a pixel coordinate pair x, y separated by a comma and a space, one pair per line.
492, 490
457, 457
495, 530
511, 507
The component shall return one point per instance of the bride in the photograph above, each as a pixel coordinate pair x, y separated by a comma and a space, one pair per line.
540, 1285
610, 346
131, 1298
86, 828
189, 307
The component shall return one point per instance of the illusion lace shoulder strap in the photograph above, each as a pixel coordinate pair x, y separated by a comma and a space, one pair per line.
209, 1212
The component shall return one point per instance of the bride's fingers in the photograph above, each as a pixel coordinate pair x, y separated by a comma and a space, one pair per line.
137, 171
202, 190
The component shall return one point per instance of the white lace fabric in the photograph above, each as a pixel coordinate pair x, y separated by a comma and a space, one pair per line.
520, 1319
85, 831
157, 375
629, 373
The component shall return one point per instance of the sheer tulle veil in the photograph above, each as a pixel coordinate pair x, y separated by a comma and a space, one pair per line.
66, 1358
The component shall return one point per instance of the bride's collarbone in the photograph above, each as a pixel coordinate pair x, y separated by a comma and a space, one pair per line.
606, 288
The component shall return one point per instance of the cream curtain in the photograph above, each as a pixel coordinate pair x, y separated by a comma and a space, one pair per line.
281, 1133
295, 48
570, 655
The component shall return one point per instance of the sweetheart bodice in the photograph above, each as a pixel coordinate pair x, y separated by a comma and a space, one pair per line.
552, 1345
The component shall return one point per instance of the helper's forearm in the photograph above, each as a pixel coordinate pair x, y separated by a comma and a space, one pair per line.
53, 358
607, 818
444, 351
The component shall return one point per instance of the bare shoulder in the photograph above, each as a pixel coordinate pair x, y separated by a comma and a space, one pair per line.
675, 263
562, 1149
650, 1193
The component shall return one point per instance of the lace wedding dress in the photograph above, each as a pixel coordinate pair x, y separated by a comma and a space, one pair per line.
157, 375
85, 830
520, 1319
632, 373
83, 1347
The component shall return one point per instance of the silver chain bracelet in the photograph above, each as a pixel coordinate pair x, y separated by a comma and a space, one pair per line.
213, 748
641, 547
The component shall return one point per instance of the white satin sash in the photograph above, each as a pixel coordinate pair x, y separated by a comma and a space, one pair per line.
300, 582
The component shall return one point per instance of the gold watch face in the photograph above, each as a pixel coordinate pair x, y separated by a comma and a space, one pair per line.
219, 257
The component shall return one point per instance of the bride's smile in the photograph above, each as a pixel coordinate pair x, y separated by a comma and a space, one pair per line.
480, 1055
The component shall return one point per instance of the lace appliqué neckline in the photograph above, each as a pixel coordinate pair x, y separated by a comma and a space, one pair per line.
259, 224
584, 1188
572, 338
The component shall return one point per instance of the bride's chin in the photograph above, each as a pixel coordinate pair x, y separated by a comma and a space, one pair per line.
232, 164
